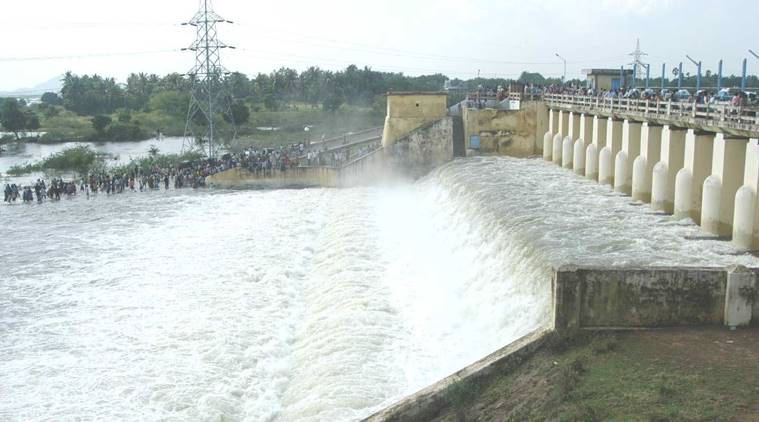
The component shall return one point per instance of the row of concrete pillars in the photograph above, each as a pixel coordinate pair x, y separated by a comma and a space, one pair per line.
711, 178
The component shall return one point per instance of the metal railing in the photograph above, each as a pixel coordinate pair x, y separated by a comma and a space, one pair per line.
348, 138
719, 116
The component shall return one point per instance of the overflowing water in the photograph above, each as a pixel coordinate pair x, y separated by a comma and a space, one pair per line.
298, 305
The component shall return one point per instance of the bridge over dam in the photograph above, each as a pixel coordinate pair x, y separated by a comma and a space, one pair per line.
698, 161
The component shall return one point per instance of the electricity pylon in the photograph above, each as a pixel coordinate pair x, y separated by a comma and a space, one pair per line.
637, 56
210, 97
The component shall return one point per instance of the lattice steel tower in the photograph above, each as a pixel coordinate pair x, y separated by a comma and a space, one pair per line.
210, 96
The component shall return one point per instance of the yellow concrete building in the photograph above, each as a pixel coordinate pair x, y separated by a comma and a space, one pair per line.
407, 111
607, 79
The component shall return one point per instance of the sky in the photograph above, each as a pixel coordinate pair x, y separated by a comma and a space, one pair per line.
497, 38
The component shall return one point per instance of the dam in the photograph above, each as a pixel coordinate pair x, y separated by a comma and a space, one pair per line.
392, 288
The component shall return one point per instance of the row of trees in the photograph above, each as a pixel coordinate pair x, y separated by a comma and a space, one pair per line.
16, 117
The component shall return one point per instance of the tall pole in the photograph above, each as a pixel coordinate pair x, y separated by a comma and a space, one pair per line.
719, 76
635, 75
563, 78
648, 74
698, 72
621, 77
663, 75
743, 78
680, 76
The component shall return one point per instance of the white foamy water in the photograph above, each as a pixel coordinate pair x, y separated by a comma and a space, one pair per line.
307, 305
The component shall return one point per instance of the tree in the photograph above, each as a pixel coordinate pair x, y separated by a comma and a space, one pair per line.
100, 122
170, 102
51, 98
12, 116
239, 113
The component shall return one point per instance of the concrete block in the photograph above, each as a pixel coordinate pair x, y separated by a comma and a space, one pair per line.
738, 306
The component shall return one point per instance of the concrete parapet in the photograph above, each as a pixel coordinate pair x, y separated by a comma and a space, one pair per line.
623, 172
697, 166
427, 403
596, 297
567, 152
643, 166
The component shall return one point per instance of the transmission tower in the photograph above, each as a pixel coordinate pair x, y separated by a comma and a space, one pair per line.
209, 94
637, 56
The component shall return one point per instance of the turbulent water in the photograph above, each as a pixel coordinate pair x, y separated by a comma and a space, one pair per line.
299, 305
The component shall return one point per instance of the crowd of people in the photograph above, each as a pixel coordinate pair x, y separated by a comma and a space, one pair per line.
185, 175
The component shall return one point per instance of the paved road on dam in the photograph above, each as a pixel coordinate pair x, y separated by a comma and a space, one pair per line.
298, 305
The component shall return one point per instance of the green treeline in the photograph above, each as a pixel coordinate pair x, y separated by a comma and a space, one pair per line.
270, 107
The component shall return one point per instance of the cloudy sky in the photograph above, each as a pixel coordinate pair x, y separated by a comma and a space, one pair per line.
45, 38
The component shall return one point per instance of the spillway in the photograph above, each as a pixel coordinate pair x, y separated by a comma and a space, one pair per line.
298, 305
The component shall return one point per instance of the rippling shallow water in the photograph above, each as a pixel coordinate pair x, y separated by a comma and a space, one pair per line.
306, 305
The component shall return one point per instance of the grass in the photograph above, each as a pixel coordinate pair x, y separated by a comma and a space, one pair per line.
625, 377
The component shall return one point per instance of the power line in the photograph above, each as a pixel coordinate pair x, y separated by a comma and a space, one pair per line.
84, 56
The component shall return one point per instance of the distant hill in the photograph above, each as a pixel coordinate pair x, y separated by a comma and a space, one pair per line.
52, 85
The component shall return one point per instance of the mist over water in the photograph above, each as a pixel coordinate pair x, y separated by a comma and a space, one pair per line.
305, 305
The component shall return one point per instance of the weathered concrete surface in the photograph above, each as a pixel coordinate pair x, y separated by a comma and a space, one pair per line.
738, 304
408, 111
427, 403
638, 297
421, 151
505, 132
299, 177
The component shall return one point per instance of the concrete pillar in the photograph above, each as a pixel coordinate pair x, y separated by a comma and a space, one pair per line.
553, 121
665, 171
585, 133
547, 145
567, 152
718, 200
563, 123
586, 128
598, 140
574, 125
746, 218
609, 152
697, 166
738, 308
556, 154
623, 170
542, 125
643, 166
